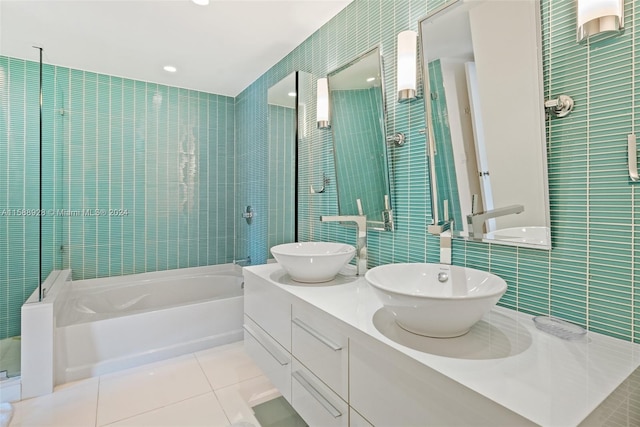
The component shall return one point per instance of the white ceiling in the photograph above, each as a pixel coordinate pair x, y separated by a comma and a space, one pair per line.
220, 48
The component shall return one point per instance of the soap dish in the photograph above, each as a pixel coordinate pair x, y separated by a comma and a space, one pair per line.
559, 327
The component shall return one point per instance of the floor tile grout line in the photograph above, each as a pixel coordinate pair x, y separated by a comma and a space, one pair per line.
215, 391
224, 411
154, 409
204, 373
98, 399
163, 363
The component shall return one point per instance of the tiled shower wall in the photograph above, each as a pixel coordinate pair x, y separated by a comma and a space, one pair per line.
137, 177
19, 184
282, 140
161, 155
591, 276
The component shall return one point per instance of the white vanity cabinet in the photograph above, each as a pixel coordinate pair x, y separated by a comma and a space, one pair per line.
321, 346
333, 357
390, 389
267, 331
301, 350
269, 307
314, 401
273, 359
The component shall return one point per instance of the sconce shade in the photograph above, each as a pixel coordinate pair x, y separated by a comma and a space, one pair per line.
322, 103
604, 18
406, 71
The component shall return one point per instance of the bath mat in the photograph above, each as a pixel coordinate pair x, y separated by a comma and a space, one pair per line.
277, 413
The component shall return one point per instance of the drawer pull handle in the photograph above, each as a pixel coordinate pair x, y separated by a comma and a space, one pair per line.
317, 335
316, 394
274, 353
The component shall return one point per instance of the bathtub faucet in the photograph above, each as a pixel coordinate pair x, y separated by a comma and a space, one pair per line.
361, 239
476, 221
242, 262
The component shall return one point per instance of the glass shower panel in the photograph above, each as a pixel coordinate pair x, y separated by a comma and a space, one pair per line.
22, 216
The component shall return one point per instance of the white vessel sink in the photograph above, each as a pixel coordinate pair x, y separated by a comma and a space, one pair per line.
313, 262
527, 235
436, 300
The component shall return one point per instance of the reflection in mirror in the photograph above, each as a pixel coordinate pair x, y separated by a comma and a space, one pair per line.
281, 99
486, 118
357, 120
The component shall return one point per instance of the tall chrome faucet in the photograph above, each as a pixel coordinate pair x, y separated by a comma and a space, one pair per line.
476, 221
361, 243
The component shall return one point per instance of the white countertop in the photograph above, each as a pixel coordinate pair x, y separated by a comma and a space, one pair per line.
548, 380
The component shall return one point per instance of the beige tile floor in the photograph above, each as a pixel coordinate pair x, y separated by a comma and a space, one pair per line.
215, 387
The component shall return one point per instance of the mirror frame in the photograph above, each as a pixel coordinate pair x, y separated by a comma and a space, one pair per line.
371, 224
438, 223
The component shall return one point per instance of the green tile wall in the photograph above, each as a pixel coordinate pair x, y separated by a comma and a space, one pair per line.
19, 183
444, 147
592, 274
355, 118
156, 161
252, 180
282, 139
162, 154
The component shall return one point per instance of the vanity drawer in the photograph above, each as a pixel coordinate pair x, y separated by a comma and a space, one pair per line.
269, 307
314, 401
319, 345
273, 359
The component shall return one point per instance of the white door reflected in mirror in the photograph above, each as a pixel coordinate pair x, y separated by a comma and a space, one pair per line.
483, 70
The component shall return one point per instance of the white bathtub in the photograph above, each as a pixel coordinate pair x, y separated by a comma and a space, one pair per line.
104, 325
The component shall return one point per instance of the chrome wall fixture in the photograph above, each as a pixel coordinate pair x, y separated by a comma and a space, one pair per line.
322, 104
325, 182
407, 65
398, 139
248, 214
599, 19
242, 263
633, 158
559, 107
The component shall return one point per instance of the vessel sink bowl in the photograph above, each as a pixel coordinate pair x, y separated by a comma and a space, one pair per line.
313, 262
435, 300
527, 235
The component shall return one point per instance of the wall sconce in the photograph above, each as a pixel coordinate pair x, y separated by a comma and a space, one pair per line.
604, 18
407, 59
322, 104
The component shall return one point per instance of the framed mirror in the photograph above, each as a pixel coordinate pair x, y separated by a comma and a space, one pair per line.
485, 114
357, 116
282, 100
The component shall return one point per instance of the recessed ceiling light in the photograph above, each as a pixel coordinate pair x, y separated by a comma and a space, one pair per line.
370, 79
170, 68
291, 94
201, 2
